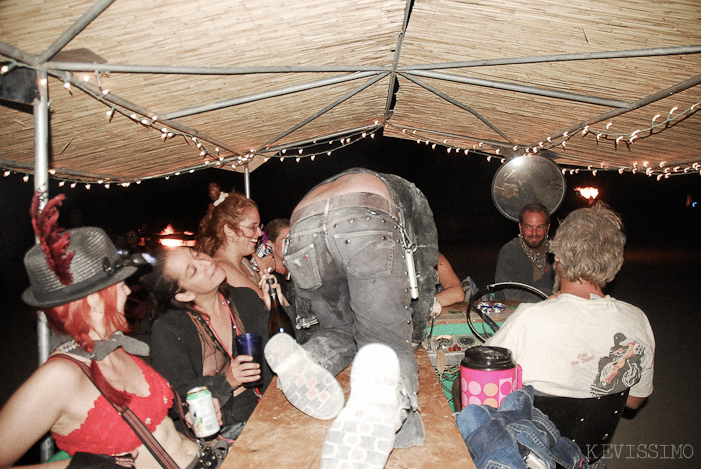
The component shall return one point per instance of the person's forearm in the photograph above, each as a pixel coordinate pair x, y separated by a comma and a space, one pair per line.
451, 296
49, 465
635, 402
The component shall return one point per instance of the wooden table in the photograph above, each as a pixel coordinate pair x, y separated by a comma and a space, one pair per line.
455, 313
279, 436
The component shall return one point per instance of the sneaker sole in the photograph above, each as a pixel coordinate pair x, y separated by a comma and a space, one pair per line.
362, 436
308, 386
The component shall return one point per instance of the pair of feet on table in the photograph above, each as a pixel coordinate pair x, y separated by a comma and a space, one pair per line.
363, 432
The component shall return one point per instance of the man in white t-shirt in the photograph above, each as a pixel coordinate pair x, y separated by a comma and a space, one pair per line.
579, 342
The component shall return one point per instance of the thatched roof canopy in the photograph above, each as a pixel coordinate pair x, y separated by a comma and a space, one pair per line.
147, 89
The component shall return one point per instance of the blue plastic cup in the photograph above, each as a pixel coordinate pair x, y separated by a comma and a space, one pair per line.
251, 344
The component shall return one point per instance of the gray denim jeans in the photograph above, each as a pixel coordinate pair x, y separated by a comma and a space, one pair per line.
349, 263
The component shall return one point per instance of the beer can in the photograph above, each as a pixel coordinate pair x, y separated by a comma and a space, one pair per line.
263, 250
204, 417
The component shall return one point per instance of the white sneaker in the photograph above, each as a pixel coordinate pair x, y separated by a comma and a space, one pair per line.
362, 436
307, 385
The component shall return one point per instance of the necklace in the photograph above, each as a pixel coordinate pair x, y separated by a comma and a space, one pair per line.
536, 256
214, 331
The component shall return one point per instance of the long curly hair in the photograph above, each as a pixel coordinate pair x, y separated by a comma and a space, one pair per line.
589, 245
211, 229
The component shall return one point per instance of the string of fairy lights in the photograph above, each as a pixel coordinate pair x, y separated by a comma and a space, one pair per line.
212, 156
656, 126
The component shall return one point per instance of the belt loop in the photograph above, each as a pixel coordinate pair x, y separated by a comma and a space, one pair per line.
327, 206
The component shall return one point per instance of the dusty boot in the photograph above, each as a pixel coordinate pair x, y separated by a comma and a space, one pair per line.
362, 436
307, 385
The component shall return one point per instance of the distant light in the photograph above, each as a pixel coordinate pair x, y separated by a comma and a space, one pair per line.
589, 193
169, 238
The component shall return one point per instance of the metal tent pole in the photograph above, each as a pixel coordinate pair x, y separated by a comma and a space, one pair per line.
247, 181
41, 178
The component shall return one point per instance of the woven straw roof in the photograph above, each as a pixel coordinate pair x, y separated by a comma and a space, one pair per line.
249, 80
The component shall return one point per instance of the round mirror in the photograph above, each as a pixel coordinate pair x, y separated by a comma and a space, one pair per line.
526, 179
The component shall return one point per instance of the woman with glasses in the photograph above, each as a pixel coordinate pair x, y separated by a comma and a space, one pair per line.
229, 233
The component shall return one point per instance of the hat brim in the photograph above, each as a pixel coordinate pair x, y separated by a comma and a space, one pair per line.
92, 287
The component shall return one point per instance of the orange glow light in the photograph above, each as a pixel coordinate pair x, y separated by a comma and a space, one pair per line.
169, 230
169, 238
589, 193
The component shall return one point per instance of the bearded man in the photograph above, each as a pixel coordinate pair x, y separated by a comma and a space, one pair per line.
526, 259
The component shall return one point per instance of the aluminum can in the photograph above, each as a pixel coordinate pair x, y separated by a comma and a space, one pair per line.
489, 308
204, 417
263, 250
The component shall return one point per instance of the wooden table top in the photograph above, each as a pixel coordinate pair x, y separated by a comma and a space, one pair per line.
279, 436
455, 313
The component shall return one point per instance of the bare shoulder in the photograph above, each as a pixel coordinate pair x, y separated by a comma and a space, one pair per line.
58, 376
235, 277
42, 403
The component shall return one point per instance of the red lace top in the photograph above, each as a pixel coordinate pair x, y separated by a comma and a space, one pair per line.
104, 431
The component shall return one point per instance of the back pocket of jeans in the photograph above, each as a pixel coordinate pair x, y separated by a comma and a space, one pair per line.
366, 252
302, 265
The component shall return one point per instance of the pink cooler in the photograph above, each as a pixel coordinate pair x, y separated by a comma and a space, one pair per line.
487, 375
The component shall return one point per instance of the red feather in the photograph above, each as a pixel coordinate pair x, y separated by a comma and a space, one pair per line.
53, 239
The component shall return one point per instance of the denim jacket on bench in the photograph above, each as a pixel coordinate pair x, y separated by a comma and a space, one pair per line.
501, 438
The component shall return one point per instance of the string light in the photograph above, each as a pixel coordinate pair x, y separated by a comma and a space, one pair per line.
344, 141
7, 67
565, 136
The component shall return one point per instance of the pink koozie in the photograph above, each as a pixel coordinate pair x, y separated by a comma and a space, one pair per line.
487, 375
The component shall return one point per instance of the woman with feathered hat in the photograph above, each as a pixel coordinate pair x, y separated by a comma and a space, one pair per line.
77, 279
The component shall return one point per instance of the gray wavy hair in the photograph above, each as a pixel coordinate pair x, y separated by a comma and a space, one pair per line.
589, 245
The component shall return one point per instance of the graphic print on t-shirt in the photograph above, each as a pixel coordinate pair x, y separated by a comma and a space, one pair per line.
622, 367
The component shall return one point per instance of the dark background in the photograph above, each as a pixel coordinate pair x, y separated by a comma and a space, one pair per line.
661, 273
457, 186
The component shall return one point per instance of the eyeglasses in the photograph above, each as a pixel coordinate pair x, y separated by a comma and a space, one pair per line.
253, 227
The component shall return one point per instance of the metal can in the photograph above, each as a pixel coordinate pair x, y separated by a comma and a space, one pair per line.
490, 308
263, 250
204, 417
